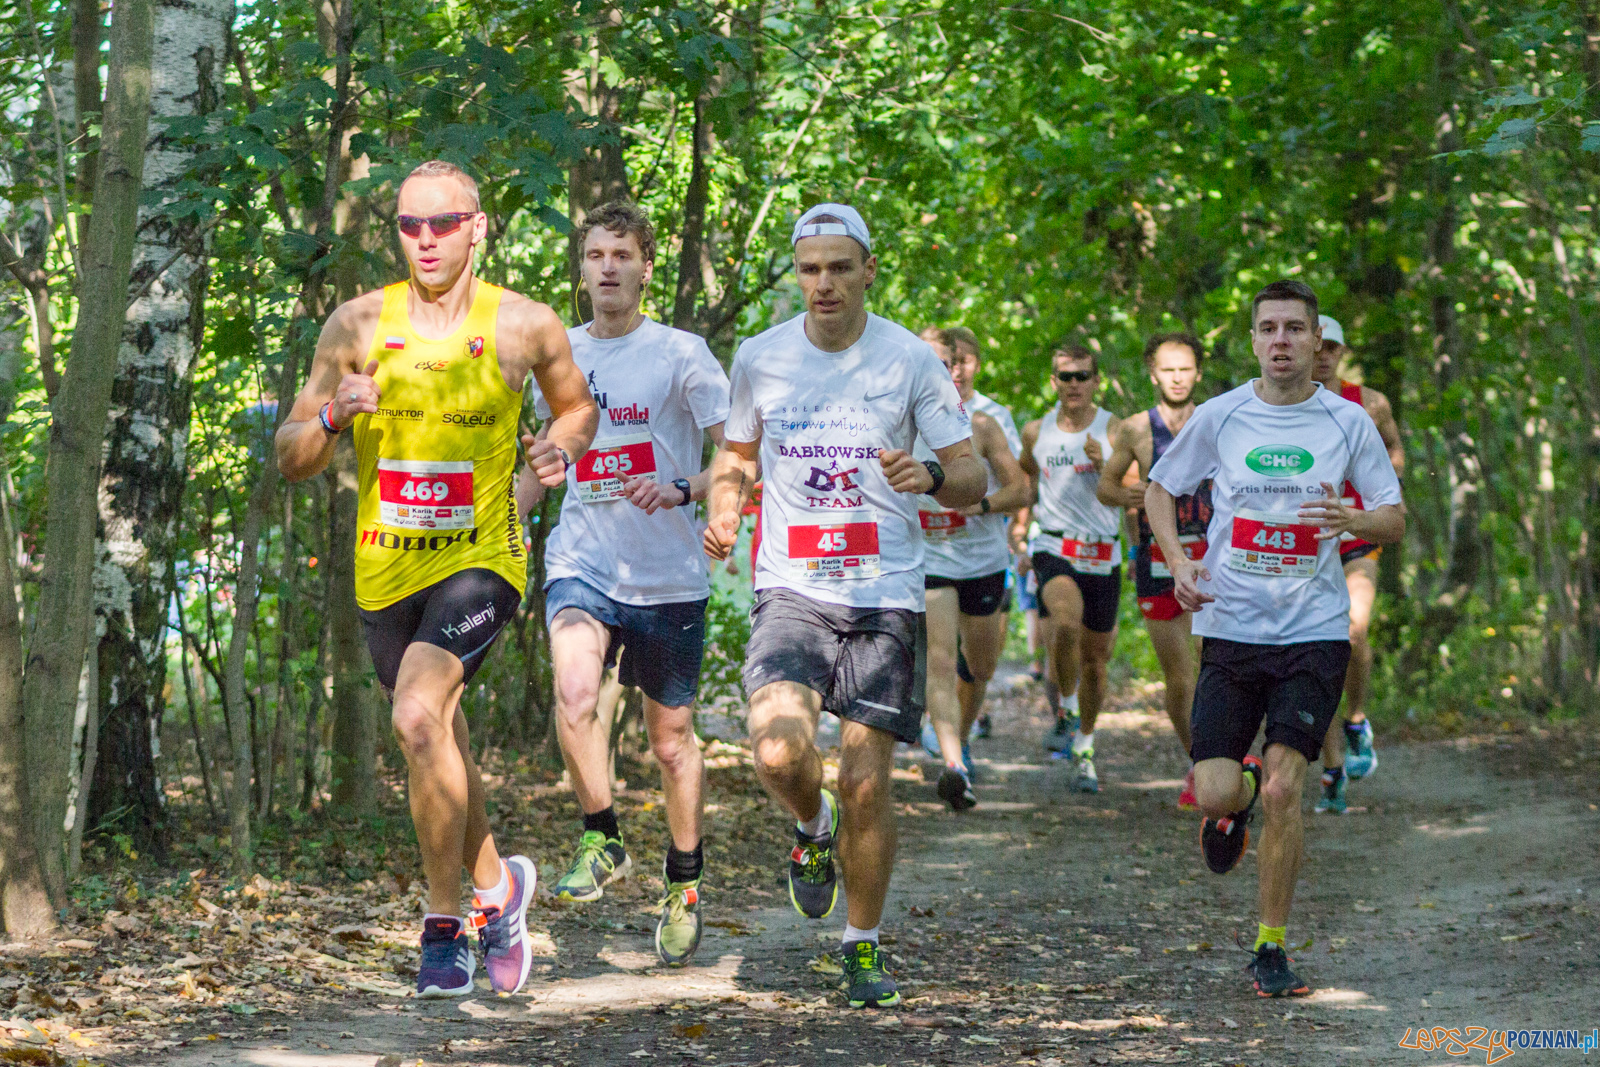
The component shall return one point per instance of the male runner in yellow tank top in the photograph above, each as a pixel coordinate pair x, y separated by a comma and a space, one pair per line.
429, 372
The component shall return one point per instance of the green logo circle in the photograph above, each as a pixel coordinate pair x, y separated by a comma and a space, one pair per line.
1279, 461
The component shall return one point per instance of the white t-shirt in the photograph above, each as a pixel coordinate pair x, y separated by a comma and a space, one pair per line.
1275, 586
1067, 503
1001, 414
832, 529
658, 389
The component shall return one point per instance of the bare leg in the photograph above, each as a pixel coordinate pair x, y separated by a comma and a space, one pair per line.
867, 837
1095, 650
577, 651
443, 780
1219, 786
683, 771
944, 707
1361, 576
1283, 835
1175, 651
982, 637
1061, 598
783, 739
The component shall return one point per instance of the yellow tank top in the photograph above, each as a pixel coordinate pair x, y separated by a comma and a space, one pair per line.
438, 459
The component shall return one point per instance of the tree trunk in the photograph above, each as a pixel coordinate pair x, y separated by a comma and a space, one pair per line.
141, 484
88, 30
245, 596
354, 727
695, 199
600, 174
77, 429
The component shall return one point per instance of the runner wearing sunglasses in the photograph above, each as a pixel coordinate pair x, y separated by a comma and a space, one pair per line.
1077, 552
428, 374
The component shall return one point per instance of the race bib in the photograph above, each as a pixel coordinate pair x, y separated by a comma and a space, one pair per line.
603, 470
425, 494
1273, 544
1090, 557
842, 548
942, 525
1194, 547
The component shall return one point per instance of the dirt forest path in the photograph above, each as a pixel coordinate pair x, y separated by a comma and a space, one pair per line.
1048, 928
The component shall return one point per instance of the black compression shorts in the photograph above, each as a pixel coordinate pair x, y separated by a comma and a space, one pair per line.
1100, 592
461, 614
1294, 688
977, 597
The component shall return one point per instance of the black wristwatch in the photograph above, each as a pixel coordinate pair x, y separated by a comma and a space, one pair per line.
682, 486
984, 506
938, 475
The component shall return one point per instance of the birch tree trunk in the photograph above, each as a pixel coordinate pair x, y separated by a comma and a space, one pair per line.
77, 429
142, 480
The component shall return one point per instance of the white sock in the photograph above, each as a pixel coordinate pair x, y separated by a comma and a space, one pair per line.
852, 934
1069, 703
822, 823
1082, 742
496, 897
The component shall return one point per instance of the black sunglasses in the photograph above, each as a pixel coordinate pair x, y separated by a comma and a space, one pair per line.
439, 225
1074, 375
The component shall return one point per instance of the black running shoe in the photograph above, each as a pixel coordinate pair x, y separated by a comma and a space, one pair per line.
813, 882
1223, 841
1270, 966
867, 984
985, 726
955, 788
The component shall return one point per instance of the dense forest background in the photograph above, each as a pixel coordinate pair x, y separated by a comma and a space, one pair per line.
187, 190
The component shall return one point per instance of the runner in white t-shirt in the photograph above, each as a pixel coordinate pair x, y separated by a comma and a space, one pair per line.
1269, 597
966, 557
623, 570
1077, 552
827, 407
976, 663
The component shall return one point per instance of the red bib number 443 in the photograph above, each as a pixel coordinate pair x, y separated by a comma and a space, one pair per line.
841, 549
1273, 544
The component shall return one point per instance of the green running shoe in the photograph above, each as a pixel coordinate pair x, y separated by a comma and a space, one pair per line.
599, 862
813, 882
678, 931
867, 984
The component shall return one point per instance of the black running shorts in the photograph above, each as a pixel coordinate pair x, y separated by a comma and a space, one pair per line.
861, 660
1100, 591
1294, 688
977, 597
461, 614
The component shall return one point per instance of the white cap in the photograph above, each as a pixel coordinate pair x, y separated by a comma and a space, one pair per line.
851, 225
1331, 330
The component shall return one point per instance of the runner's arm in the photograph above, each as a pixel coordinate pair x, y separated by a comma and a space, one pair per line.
654, 496
1161, 511
303, 447
541, 336
1019, 526
734, 470
991, 443
1111, 491
529, 489
1383, 525
1388, 429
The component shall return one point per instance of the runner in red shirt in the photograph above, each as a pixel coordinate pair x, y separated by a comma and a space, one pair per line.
1348, 751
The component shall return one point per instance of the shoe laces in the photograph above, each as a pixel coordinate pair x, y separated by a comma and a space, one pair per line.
439, 953
591, 847
865, 961
681, 899
813, 859
1255, 953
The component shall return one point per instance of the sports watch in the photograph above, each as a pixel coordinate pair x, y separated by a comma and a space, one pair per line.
936, 469
682, 486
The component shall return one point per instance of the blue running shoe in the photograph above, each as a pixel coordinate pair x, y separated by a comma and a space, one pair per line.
1360, 758
966, 757
1332, 801
447, 959
930, 739
1059, 738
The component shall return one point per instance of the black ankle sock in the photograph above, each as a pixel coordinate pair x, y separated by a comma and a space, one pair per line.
685, 866
605, 822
